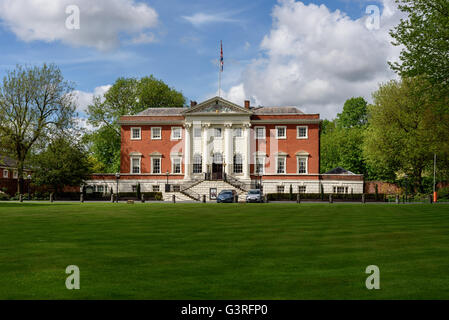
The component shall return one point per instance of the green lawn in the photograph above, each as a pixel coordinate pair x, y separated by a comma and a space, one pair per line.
235, 251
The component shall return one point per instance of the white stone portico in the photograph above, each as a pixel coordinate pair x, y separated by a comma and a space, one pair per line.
225, 132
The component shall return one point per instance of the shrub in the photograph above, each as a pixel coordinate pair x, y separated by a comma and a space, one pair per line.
325, 197
4, 197
443, 193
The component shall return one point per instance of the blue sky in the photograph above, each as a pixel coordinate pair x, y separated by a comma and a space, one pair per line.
179, 43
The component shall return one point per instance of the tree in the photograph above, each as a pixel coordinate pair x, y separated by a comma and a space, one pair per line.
354, 113
342, 142
342, 138
104, 145
62, 163
128, 96
342, 147
35, 102
424, 34
405, 129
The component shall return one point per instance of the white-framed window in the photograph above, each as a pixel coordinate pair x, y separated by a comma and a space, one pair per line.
197, 132
281, 132
156, 133
217, 132
136, 133
134, 188
15, 174
302, 165
217, 158
176, 133
259, 166
156, 165
176, 165
155, 188
302, 189
5, 173
197, 163
238, 163
302, 132
176, 188
238, 132
259, 132
280, 189
340, 189
281, 165
100, 189
135, 165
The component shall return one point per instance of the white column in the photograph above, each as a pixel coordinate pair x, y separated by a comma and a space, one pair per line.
205, 146
187, 151
229, 154
247, 159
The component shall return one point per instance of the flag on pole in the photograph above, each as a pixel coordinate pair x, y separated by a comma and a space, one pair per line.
221, 57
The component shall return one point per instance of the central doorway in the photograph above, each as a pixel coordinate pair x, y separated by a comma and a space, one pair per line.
217, 167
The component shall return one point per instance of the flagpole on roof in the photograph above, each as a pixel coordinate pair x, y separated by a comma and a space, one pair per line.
220, 68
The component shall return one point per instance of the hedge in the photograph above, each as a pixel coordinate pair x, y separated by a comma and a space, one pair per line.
325, 197
96, 196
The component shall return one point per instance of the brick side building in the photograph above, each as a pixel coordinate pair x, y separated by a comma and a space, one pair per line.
219, 144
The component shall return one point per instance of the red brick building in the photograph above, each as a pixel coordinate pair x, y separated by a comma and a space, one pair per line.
222, 145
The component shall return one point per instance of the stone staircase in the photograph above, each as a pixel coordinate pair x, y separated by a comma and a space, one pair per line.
196, 190
168, 196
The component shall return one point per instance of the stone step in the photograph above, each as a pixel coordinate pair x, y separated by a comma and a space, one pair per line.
168, 196
205, 186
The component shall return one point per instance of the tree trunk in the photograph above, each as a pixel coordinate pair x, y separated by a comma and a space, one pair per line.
20, 173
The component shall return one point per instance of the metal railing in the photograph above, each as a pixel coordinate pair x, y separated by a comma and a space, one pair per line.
234, 182
191, 194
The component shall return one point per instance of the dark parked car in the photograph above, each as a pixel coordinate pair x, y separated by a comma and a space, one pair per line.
227, 196
254, 195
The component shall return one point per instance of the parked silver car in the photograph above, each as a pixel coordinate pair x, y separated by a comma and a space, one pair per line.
254, 195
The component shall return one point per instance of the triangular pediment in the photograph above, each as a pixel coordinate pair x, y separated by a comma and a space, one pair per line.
217, 105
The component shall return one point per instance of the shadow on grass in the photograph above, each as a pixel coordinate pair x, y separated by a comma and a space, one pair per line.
17, 204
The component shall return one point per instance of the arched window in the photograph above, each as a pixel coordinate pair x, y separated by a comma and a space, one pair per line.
197, 163
218, 158
238, 163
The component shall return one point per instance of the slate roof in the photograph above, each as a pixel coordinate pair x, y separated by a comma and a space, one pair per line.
277, 110
8, 162
162, 112
339, 170
258, 110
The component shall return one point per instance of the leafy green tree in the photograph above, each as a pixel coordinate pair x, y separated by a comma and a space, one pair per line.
104, 145
406, 129
424, 34
62, 163
354, 113
35, 102
128, 96
342, 147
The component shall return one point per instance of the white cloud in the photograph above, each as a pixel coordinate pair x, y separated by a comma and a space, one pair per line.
316, 59
199, 19
101, 21
84, 99
143, 38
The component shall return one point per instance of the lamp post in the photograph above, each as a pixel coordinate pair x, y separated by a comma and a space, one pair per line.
405, 177
224, 170
167, 186
29, 183
117, 177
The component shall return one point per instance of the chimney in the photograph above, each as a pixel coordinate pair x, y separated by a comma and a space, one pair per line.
193, 103
247, 104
